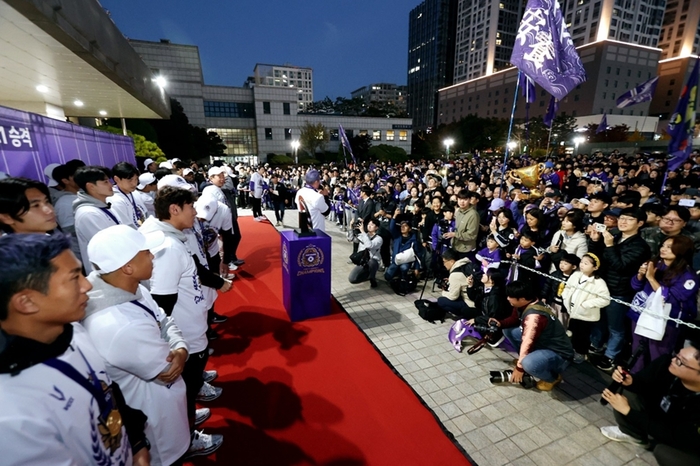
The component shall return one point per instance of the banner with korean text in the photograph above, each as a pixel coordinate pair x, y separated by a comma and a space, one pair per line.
29, 142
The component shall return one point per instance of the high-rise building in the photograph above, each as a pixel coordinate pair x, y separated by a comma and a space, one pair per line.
431, 27
383, 92
287, 76
485, 36
680, 35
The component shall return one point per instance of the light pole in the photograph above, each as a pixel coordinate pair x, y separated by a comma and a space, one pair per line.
578, 140
295, 147
448, 142
512, 145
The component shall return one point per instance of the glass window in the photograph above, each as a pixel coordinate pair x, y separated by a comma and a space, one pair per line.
334, 135
238, 141
376, 135
268, 133
266, 108
215, 109
390, 135
403, 135
287, 134
285, 108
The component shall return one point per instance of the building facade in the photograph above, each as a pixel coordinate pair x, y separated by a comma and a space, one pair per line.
431, 43
294, 77
382, 92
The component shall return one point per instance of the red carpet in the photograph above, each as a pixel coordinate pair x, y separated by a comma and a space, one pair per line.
310, 393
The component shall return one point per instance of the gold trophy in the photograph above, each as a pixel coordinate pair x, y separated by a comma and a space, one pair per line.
529, 177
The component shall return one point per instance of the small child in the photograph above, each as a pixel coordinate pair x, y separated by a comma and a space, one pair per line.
490, 300
584, 303
553, 289
491, 256
525, 254
445, 225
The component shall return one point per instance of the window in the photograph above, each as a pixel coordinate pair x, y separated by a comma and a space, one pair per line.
377, 135
334, 135
287, 134
285, 108
266, 108
390, 135
229, 109
403, 135
268, 134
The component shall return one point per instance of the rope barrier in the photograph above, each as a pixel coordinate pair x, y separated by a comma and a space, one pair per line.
636, 309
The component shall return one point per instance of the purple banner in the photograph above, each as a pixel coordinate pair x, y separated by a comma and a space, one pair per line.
29, 142
306, 275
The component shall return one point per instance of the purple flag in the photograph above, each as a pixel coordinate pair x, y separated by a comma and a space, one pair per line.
642, 93
551, 112
344, 141
603, 126
544, 50
682, 123
528, 88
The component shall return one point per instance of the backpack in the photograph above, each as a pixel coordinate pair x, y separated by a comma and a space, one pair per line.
429, 310
403, 286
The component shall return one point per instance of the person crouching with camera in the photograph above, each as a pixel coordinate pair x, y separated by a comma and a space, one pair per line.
454, 297
543, 347
370, 242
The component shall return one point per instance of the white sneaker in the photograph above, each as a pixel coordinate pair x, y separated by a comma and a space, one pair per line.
232, 266
258, 219
201, 415
230, 276
614, 433
208, 376
208, 392
210, 351
203, 444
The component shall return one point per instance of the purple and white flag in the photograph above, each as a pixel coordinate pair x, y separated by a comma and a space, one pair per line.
345, 142
528, 88
682, 122
544, 50
603, 126
642, 93
551, 112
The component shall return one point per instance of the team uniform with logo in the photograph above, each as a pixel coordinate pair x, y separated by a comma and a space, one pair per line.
316, 205
128, 207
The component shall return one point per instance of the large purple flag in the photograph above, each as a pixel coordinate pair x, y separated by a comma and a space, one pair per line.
544, 50
603, 126
682, 122
528, 88
551, 112
642, 93
345, 142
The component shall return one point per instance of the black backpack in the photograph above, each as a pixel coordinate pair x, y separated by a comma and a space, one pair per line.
403, 286
429, 310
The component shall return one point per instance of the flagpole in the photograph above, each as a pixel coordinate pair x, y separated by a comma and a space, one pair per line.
510, 130
549, 139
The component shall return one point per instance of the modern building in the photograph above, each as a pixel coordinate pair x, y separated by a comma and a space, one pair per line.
431, 28
382, 92
257, 120
485, 36
680, 32
69, 60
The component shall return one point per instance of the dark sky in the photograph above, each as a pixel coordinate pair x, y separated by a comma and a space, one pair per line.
348, 43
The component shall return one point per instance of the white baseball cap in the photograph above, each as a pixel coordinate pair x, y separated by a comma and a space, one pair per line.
215, 171
206, 207
145, 179
48, 171
147, 162
583, 200
167, 164
176, 181
187, 171
115, 246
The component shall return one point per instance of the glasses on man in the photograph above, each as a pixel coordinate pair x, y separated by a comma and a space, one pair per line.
680, 363
671, 220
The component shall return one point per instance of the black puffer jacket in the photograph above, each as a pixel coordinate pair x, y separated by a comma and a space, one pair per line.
620, 262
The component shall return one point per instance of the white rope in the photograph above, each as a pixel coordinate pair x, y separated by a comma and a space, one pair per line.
636, 309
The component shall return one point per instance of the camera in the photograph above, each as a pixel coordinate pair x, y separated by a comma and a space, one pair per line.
442, 283
484, 329
599, 227
505, 376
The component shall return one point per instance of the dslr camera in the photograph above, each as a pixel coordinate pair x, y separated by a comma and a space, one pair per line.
505, 376
491, 328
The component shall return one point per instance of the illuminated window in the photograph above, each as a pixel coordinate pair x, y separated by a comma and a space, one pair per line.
376, 135
390, 135
403, 135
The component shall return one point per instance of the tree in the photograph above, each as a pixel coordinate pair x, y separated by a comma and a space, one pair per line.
617, 133
564, 127
360, 145
387, 153
142, 147
313, 137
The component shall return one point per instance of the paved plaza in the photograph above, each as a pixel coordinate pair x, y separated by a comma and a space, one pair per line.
495, 424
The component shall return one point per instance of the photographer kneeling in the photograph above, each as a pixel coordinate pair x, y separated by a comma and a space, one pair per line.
371, 242
544, 349
454, 297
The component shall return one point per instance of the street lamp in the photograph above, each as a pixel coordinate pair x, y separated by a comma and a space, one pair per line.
512, 145
295, 147
448, 142
578, 140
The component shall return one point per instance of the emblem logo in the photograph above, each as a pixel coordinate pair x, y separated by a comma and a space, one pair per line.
310, 256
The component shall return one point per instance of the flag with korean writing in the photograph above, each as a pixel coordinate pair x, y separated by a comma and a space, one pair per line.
551, 112
544, 50
603, 126
345, 142
528, 88
682, 123
642, 93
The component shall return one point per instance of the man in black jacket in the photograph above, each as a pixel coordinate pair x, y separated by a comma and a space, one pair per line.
667, 407
621, 256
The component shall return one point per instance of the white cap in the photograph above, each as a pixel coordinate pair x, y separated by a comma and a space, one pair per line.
583, 200
187, 171
145, 179
206, 207
167, 164
48, 171
214, 171
174, 160
115, 246
147, 162
176, 181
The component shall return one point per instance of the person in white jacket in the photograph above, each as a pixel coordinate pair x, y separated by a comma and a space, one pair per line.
570, 238
372, 242
584, 296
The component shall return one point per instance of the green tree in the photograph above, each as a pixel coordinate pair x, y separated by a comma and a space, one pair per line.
563, 129
387, 153
617, 133
142, 147
313, 137
360, 145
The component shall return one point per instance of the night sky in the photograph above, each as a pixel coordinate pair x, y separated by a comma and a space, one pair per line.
348, 43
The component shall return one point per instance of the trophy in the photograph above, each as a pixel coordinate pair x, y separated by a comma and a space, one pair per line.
305, 225
528, 177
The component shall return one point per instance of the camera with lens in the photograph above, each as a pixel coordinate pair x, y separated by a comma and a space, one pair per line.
442, 283
505, 376
491, 328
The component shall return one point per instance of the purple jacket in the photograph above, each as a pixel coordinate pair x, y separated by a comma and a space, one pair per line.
681, 294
